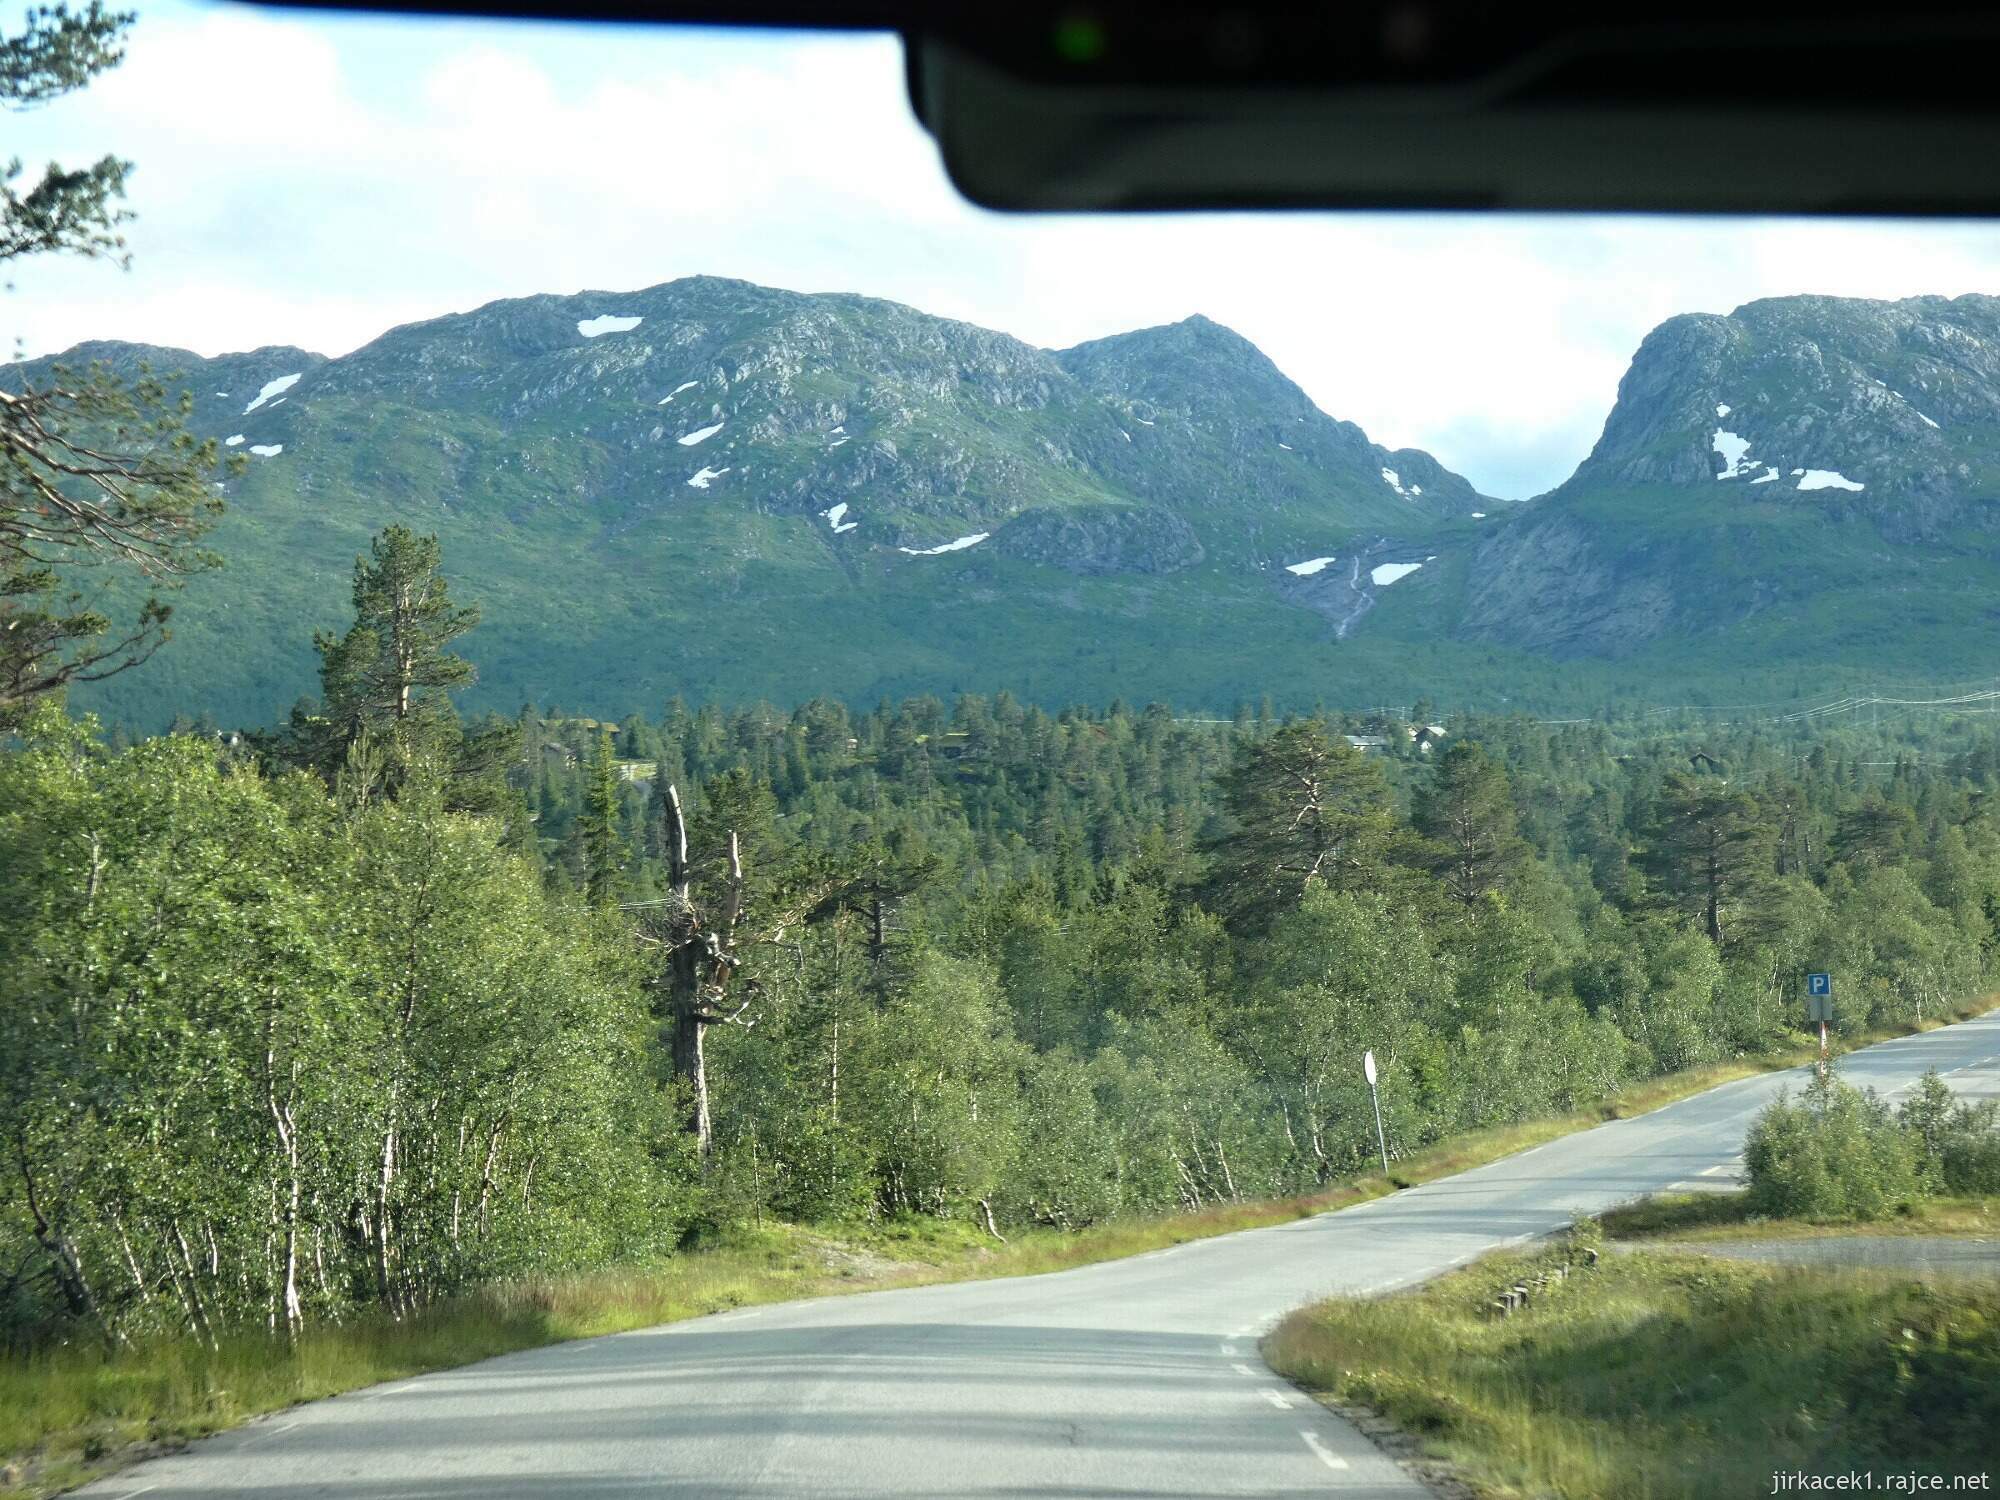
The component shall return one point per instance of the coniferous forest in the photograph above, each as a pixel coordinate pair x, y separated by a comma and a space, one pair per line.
376, 1004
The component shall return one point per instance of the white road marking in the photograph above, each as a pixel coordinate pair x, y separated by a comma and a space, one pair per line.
1276, 1400
1227, 1351
737, 1317
1320, 1451
1715, 1171
1244, 1370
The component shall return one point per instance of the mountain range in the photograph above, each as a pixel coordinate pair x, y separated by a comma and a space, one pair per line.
723, 490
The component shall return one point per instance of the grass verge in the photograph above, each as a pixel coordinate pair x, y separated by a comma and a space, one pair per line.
1667, 1376
73, 1412
1717, 1217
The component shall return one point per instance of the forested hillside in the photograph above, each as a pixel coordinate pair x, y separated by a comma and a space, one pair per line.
378, 1004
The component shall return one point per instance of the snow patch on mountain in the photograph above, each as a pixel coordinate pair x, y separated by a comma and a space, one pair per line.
699, 435
953, 546
605, 323
1309, 567
1828, 479
1385, 574
705, 476
273, 388
267, 450
1735, 451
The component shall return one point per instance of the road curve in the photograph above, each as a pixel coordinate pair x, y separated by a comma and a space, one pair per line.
1134, 1378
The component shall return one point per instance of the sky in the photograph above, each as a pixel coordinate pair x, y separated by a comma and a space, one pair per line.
315, 180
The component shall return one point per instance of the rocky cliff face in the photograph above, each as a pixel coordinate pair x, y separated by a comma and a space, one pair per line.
1904, 396
924, 428
1841, 425
1221, 413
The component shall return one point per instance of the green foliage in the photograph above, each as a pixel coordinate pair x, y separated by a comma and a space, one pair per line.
58, 52
1956, 1143
1836, 1153
271, 1058
603, 850
385, 708
1466, 810
1303, 810
100, 471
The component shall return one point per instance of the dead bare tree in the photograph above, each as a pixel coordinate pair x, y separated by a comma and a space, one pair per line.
701, 943
698, 960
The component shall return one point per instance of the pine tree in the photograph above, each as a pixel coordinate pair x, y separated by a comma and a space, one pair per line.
1466, 811
1710, 851
391, 670
388, 678
1304, 809
99, 471
603, 848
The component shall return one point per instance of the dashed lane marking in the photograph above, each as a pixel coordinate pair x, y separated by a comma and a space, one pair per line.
1276, 1400
1244, 1370
1320, 1451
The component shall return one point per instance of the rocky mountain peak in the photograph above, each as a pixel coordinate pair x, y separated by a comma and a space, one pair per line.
1800, 394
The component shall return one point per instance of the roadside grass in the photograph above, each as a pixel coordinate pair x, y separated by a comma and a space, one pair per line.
1666, 1376
1714, 1217
74, 1411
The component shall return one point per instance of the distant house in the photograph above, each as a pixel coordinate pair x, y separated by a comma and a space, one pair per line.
1702, 760
1427, 737
637, 770
1367, 744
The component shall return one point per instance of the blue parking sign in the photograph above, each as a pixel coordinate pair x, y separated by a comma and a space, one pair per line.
1819, 984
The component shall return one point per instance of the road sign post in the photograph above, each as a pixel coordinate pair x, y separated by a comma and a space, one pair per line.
1375, 1097
1819, 1008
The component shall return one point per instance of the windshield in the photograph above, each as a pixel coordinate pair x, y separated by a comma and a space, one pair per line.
618, 712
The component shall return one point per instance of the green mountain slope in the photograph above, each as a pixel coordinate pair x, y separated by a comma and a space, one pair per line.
715, 488
721, 490
1810, 480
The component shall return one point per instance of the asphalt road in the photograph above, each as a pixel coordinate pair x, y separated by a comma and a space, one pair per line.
1135, 1378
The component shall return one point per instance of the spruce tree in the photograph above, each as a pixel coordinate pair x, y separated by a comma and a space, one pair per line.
603, 849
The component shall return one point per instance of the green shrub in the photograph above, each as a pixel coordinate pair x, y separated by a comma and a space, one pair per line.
1957, 1143
1835, 1153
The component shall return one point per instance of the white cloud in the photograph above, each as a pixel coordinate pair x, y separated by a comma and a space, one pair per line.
315, 179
